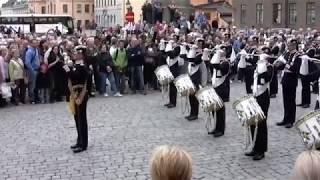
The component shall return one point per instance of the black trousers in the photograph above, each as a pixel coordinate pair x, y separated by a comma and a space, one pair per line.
172, 94
248, 77
80, 118
220, 120
306, 91
19, 93
261, 144
90, 83
274, 83
194, 105
241, 74
289, 87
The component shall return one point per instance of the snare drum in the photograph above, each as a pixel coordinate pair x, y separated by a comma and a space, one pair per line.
209, 100
248, 110
309, 129
184, 85
164, 75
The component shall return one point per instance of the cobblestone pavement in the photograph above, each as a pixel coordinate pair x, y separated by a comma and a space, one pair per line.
35, 141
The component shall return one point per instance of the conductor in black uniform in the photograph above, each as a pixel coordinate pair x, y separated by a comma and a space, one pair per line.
78, 76
290, 82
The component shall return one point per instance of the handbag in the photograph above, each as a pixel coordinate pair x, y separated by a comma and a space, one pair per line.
5, 90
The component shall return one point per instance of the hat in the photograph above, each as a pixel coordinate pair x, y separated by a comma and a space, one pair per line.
254, 38
292, 41
266, 49
80, 49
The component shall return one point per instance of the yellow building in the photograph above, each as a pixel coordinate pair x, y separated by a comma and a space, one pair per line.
81, 10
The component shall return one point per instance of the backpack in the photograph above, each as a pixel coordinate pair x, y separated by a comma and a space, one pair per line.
117, 52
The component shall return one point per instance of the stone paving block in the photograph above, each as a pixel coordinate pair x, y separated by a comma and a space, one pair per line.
123, 133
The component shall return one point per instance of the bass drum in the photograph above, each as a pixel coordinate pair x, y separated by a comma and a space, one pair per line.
248, 110
209, 100
309, 129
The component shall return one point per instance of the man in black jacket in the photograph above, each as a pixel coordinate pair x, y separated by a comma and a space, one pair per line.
135, 64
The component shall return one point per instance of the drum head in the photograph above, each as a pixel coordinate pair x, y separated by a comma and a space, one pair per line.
307, 117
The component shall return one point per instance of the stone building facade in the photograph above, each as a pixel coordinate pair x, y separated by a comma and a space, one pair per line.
276, 13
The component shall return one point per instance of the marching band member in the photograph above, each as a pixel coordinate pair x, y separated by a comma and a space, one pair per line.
306, 68
262, 77
291, 67
275, 49
172, 61
251, 63
220, 82
78, 77
195, 75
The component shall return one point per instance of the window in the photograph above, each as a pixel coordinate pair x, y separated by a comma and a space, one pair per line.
311, 13
108, 2
277, 11
65, 8
79, 8
54, 9
92, 8
243, 13
87, 23
259, 13
79, 23
292, 13
43, 10
87, 8
114, 2
97, 3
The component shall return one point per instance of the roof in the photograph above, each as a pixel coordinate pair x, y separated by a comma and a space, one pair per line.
34, 15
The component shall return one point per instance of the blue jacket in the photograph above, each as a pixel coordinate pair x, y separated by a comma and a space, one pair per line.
32, 59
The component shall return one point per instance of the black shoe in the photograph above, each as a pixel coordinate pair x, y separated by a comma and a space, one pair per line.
273, 96
288, 126
74, 146
192, 118
166, 105
258, 156
306, 106
252, 153
78, 150
212, 132
171, 106
281, 123
218, 134
300, 105
187, 117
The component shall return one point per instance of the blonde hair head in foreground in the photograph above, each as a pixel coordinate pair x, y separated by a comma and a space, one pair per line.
307, 166
171, 163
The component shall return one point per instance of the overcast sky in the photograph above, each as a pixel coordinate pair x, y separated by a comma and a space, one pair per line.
2, 1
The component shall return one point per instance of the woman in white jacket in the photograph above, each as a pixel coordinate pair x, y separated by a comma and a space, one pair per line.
16, 74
